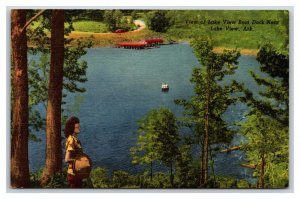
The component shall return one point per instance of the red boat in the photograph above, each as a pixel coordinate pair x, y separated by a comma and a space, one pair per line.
139, 45
152, 42
132, 45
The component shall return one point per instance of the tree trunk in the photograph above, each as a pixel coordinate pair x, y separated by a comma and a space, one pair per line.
151, 171
204, 169
262, 172
19, 140
171, 175
53, 120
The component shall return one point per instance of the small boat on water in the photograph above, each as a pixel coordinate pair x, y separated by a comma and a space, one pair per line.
164, 87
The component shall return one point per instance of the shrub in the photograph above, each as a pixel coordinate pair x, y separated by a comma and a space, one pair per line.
100, 178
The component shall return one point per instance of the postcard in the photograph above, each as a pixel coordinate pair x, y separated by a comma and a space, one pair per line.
149, 99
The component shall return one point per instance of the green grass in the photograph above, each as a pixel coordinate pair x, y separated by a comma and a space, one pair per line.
260, 35
81, 26
276, 34
90, 26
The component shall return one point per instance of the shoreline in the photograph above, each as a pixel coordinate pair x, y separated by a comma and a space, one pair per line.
107, 40
243, 51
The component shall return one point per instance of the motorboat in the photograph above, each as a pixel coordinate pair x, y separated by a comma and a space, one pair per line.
164, 87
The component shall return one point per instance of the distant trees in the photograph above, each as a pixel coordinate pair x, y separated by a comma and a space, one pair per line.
157, 140
116, 19
204, 110
112, 18
94, 15
158, 21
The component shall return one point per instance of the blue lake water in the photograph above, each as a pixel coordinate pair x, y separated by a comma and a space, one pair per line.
123, 85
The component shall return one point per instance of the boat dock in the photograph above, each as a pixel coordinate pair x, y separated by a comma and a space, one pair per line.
139, 45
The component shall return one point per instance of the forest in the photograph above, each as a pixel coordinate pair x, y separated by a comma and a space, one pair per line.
60, 70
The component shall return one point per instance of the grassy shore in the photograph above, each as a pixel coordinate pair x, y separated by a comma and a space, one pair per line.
90, 26
109, 39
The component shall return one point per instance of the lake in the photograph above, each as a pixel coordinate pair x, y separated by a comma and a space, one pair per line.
123, 85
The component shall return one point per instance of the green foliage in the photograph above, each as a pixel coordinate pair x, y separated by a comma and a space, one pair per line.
188, 24
38, 85
58, 180
206, 79
35, 178
267, 124
99, 177
203, 111
38, 79
157, 139
74, 68
160, 180
158, 21
110, 19
275, 63
39, 66
226, 182
276, 95
187, 172
122, 179
221, 182
94, 15
243, 184
268, 139
277, 172
115, 19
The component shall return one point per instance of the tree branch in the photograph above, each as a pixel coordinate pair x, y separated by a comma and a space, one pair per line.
231, 149
31, 20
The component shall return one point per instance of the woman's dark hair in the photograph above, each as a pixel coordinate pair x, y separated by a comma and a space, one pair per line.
70, 126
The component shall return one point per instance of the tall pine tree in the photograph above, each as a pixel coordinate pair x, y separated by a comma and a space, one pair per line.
203, 111
53, 131
267, 124
19, 141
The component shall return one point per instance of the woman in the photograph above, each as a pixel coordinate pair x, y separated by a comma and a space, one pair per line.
73, 147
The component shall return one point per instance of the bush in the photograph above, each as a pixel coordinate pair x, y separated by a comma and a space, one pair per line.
122, 179
160, 180
243, 184
35, 178
158, 21
58, 180
100, 178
